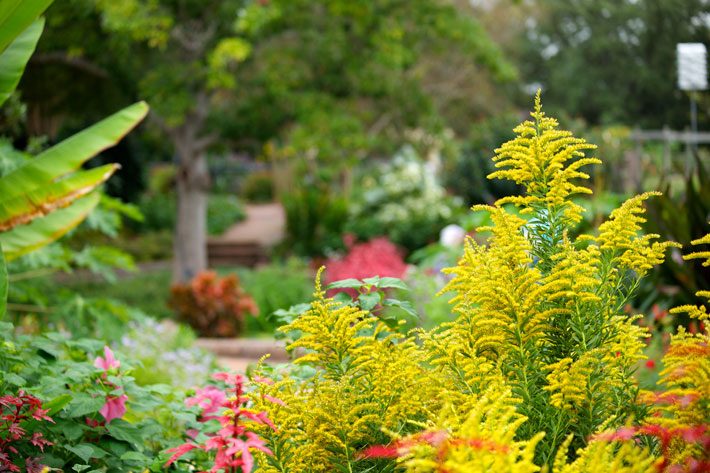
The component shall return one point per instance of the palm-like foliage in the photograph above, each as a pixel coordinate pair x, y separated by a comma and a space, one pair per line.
49, 195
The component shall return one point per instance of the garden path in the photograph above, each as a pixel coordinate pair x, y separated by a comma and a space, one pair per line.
235, 354
248, 242
264, 224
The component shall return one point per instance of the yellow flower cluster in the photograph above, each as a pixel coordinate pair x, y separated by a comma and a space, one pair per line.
368, 379
482, 441
539, 358
604, 457
544, 160
620, 234
568, 382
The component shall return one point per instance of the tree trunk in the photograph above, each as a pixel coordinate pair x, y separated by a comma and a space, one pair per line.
190, 244
192, 185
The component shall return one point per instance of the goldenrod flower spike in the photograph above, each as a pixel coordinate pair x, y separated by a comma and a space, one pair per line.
546, 161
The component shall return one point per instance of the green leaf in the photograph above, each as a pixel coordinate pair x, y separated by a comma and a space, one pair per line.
83, 451
14, 379
404, 305
14, 59
345, 284
373, 281
392, 282
369, 301
41, 201
71, 153
3, 284
134, 456
57, 404
343, 297
16, 16
84, 404
80, 467
122, 430
41, 231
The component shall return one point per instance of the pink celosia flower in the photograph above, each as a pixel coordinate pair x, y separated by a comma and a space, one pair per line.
114, 408
108, 361
210, 400
233, 444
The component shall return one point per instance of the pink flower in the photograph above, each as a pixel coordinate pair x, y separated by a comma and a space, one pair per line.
108, 362
114, 408
210, 399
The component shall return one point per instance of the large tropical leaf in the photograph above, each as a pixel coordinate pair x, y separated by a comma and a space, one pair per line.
41, 231
14, 59
41, 201
71, 153
16, 16
3, 285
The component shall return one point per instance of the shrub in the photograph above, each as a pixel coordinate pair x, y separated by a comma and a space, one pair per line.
100, 418
294, 281
213, 306
377, 257
535, 371
223, 211
160, 211
258, 187
314, 220
402, 201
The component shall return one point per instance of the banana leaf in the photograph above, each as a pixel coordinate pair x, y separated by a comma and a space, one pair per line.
23, 209
25, 238
14, 59
71, 153
3, 285
16, 16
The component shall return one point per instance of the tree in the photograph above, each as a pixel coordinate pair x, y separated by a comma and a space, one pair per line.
338, 76
613, 60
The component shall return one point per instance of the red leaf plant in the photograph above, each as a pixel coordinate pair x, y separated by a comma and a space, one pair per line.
17, 412
233, 443
377, 257
213, 306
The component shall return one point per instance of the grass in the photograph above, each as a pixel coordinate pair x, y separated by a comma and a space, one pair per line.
276, 286
147, 291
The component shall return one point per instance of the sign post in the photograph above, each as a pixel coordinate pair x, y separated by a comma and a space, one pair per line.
692, 76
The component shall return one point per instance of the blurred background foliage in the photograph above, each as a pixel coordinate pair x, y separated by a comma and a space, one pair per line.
361, 118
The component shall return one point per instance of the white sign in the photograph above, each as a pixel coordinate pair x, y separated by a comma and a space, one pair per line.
692, 66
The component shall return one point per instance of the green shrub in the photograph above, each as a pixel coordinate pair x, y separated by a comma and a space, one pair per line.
294, 283
315, 218
223, 211
160, 213
258, 187
100, 418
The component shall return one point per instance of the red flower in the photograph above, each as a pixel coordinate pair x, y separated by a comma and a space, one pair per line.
650, 364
